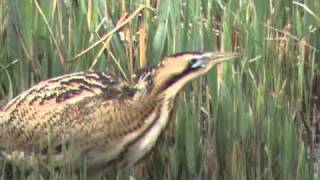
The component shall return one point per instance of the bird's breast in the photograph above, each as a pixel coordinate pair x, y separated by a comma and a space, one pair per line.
147, 139
133, 146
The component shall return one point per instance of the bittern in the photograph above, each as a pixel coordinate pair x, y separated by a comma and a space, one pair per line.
108, 121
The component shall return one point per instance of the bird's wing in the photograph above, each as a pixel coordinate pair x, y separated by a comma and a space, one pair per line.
53, 109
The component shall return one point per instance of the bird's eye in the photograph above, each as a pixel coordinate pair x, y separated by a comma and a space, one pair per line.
193, 61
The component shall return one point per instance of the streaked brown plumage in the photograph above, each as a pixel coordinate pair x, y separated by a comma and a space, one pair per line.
105, 120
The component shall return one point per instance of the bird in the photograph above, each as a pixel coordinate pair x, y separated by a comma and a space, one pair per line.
106, 120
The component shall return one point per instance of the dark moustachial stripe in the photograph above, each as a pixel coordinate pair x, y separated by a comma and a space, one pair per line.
176, 78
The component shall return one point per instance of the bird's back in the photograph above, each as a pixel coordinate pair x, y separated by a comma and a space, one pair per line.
58, 108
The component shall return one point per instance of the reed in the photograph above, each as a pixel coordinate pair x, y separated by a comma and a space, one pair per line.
241, 121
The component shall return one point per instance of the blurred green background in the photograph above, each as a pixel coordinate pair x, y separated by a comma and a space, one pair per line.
256, 118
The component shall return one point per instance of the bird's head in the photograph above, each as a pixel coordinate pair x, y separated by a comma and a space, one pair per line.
173, 72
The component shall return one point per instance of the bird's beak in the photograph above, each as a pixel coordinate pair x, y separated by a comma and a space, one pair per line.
212, 58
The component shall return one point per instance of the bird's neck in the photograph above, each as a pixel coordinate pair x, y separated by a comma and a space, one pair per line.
158, 81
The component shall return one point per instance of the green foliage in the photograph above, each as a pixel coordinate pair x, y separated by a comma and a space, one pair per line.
241, 121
